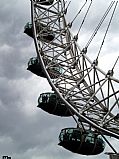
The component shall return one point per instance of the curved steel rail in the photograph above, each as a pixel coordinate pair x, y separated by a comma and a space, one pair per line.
86, 89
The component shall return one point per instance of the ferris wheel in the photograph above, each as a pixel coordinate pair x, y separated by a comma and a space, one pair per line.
80, 89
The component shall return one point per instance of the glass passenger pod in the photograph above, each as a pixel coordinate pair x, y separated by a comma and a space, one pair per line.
77, 141
44, 33
45, 2
28, 29
50, 103
55, 70
35, 67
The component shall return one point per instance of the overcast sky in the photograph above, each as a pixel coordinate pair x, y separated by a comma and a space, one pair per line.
27, 132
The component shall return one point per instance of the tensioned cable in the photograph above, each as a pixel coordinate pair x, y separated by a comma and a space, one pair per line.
100, 23
84, 18
67, 7
115, 63
107, 29
78, 13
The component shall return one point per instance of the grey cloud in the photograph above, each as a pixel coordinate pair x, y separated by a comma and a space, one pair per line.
25, 130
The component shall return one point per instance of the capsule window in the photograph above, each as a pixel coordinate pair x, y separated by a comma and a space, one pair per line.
52, 98
28, 26
33, 61
90, 138
76, 135
100, 140
43, 98
59, 69
70, 135
61, 137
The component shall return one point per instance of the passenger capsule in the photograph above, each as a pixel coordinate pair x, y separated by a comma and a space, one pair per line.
50, 103
44, 33
28, 29
78, 141
35, 67
45, 2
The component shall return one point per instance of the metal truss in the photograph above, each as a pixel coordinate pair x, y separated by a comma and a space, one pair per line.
85, 88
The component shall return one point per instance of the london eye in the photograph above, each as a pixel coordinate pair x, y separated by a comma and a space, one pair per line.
80, 88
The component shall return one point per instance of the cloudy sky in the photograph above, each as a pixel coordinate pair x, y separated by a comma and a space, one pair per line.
27, 132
